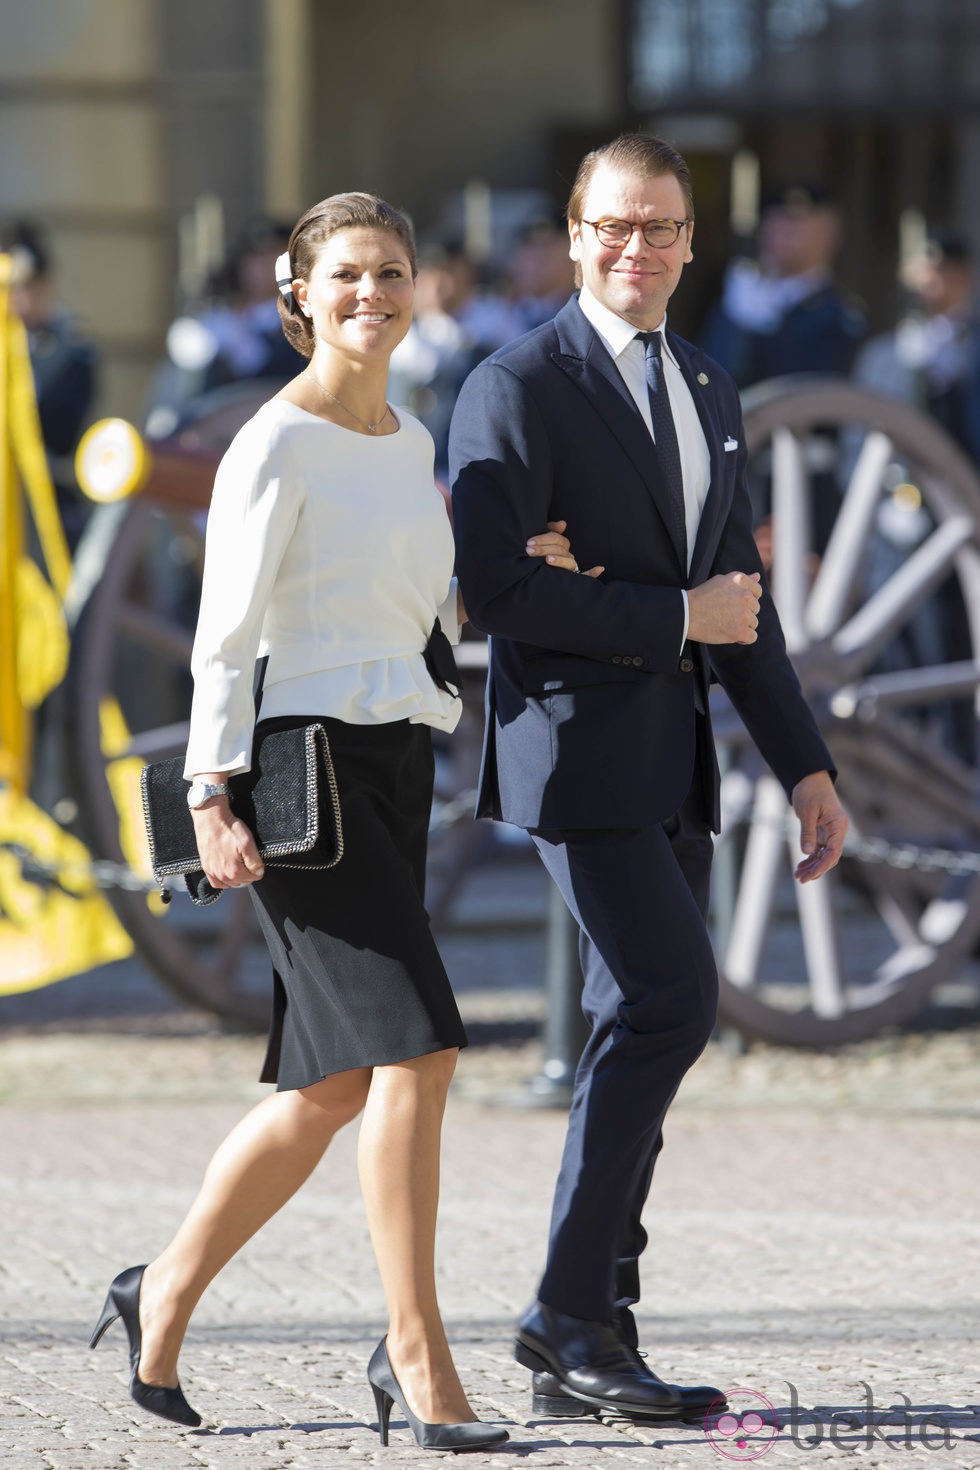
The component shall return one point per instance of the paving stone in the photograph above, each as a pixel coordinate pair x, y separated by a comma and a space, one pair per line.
814, 1230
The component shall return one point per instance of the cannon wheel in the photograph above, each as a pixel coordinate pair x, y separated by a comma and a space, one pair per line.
130, 691
843, 958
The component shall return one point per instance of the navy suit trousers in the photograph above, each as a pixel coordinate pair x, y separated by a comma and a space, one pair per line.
650, 997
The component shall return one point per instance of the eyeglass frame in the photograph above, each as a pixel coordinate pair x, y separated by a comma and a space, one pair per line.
640, 225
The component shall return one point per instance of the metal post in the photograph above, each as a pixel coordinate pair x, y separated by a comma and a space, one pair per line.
565, 1030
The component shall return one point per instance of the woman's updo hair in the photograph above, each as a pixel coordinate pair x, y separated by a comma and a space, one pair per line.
338, 212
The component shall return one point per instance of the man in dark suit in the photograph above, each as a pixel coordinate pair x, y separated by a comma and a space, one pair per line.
598, 737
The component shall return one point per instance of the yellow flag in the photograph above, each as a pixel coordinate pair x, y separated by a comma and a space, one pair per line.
54, 922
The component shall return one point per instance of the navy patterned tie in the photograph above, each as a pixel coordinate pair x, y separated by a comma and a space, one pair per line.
665, 436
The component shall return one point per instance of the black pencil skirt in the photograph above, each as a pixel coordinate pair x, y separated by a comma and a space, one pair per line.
358, 981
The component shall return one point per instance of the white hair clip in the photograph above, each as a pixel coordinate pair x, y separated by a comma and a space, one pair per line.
284, 279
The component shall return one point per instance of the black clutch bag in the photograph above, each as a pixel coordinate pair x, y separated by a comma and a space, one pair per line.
288, 800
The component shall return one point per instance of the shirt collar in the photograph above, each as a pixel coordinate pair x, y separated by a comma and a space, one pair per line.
615, 332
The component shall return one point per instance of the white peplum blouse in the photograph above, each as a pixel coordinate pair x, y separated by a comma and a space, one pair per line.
331, 552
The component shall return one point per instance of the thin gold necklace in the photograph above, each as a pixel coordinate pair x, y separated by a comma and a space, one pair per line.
371, 428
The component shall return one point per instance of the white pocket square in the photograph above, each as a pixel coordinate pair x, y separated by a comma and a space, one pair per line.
730, 444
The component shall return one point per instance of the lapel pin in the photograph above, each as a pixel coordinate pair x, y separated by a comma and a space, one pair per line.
702, 378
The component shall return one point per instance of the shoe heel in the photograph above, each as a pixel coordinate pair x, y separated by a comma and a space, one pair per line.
528, 1358
382, 1403
109, 1315
549, 1406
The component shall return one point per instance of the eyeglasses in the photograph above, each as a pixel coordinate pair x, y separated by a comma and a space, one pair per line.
619, 232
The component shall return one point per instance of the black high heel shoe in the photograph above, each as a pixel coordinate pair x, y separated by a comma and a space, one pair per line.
387, 1391
123, 1301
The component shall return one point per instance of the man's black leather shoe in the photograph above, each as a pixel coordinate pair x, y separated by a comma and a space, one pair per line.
592, 1364
549, 1400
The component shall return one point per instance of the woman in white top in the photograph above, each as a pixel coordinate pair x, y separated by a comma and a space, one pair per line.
329, 552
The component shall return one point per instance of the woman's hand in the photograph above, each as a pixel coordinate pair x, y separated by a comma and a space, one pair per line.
225, 845
557, 550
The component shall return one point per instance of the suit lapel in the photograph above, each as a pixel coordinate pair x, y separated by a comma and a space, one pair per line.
586, 362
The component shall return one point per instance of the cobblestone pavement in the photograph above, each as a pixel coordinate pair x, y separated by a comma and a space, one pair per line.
813, 1243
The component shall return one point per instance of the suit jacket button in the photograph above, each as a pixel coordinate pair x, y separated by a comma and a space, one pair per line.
617, 658
637, 661
687, 666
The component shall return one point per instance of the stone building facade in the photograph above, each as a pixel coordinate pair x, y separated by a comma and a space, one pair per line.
143, 133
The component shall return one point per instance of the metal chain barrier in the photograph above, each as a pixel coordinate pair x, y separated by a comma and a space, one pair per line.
907, 855
903, 856
103, 874
99, 873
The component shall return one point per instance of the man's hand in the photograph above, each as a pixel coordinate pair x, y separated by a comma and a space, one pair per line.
823, 825
725, 609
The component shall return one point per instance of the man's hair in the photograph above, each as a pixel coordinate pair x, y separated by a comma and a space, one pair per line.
639, 154
946, 247
23, 238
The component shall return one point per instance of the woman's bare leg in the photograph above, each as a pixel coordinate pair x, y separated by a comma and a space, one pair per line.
258, 1167
398, 1159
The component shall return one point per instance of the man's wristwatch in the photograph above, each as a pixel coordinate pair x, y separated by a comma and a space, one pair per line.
202, 791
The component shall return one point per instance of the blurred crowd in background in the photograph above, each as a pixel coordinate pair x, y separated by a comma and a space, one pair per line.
781, 311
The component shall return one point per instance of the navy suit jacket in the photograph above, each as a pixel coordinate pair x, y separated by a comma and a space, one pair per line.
591, 699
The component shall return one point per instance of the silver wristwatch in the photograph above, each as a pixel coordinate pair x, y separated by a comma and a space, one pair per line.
202, 791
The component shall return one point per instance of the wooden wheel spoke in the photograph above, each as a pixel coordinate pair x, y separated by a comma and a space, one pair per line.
896, 895
821, 946
157, 744
907, 961
927, 771
863, 636
834, 583
898, 918
946, 915
154, 631
862, 947
791, 536
906, 687
764, 856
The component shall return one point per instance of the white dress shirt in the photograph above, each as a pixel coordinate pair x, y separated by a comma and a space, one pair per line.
619, 338
331, 552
